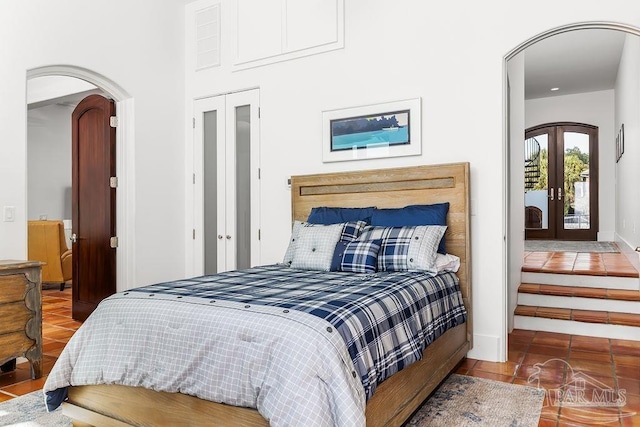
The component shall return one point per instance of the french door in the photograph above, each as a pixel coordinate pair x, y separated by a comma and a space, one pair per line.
226, 182
561, 182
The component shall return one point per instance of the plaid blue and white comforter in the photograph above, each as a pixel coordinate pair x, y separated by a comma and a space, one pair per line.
303, 347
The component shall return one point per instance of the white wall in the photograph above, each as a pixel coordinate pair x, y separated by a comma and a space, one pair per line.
450, 55
594, 108
49, 162
140, 46
627, 112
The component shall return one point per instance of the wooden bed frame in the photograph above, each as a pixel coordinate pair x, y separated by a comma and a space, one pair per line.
397, 397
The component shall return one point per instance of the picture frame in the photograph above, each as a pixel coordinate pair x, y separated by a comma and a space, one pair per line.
620, 143
621, 140
390, 129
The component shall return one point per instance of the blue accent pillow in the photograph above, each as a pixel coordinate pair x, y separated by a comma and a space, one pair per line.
329, 215
356, 256
435, 214
352, 230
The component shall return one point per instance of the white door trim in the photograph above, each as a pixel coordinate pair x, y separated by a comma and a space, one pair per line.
125, 164
506, 178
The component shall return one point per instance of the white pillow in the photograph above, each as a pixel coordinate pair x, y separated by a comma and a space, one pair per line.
314, 246
447, 262
293, 241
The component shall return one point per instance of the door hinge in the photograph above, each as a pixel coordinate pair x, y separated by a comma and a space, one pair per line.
194, 178
113, 121
194, 122
259, 173
259, 234
258, 112
194, 234
113, 242
113, 182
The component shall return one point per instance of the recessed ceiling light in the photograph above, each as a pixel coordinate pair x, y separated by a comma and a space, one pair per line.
553, 89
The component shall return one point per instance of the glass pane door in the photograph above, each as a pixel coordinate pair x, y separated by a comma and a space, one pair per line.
561, 176
536, 183
210, 188
226, 188
243, 186
576, 197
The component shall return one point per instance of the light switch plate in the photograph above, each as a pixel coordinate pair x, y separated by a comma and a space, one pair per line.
9, 213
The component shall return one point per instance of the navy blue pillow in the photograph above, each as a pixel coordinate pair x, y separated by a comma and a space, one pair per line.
328, 215
356, 256
338, 253
435, 214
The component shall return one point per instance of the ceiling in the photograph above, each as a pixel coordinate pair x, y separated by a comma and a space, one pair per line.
58, 90
575, 62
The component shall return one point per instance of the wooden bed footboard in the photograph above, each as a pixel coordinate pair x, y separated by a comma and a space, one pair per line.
393, 402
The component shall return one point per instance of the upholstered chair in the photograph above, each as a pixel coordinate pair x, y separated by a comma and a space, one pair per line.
47, 243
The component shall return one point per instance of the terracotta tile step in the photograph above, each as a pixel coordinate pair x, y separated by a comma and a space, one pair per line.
590, 316
576, 291
588, 264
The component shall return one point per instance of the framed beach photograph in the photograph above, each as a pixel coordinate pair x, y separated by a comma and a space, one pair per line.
390, 129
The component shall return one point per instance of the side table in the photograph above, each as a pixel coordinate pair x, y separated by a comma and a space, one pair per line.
21, 313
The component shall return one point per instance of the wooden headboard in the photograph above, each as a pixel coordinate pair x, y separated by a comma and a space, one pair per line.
394, 188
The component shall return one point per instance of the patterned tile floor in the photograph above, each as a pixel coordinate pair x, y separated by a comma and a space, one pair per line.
609, 366
591, 372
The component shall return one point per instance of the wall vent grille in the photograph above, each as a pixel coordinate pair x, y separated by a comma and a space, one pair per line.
208, 37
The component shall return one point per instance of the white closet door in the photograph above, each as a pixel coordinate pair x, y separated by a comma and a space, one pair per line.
226, 185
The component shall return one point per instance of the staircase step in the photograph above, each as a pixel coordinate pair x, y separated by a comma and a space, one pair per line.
593, 323
589, 316
577, 291
582, 280
580, 263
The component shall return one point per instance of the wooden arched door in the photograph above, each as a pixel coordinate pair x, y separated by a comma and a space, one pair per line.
94, 204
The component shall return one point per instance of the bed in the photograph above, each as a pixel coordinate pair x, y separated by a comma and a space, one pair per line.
396, 398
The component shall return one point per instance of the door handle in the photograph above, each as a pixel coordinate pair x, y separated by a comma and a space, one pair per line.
220, 236
551, 194
73, 238
228, 237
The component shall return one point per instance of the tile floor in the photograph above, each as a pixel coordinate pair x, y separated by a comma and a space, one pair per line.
613, 365
593, 264
610, 368
57, 328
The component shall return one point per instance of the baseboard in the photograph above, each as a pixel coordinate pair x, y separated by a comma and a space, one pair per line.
629, 251
487, 347
606, 236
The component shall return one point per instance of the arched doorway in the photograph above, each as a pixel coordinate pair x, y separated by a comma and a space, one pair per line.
513, 149
125, 200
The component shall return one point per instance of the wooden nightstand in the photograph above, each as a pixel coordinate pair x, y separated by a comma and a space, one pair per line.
21, 313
